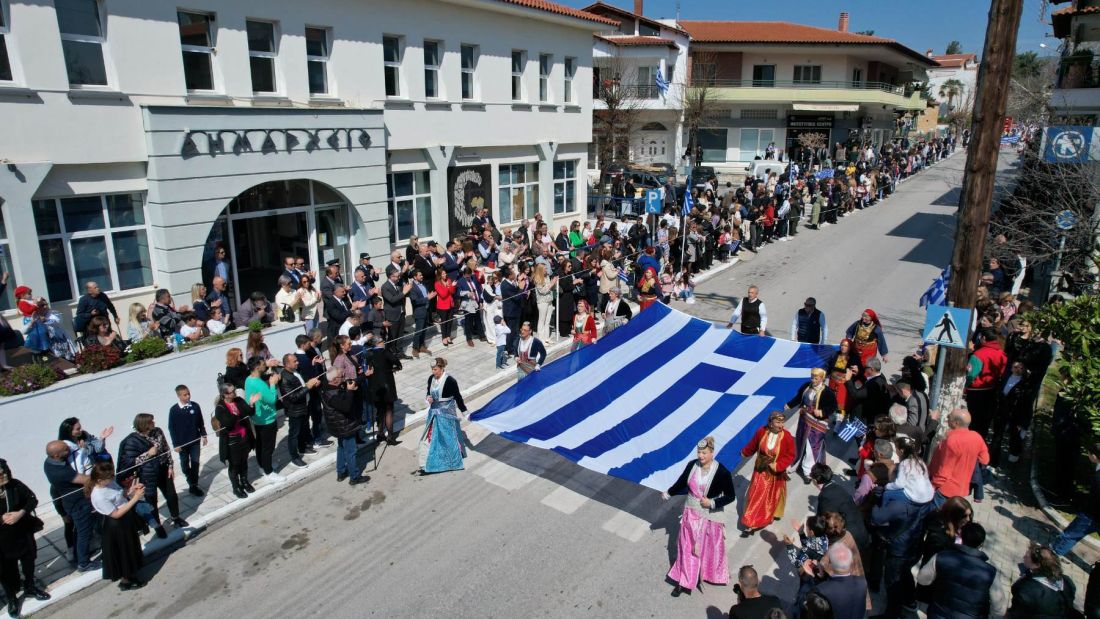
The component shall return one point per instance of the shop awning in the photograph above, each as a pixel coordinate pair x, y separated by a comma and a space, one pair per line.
826, 107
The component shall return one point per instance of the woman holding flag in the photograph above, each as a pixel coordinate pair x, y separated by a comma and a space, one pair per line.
767, 495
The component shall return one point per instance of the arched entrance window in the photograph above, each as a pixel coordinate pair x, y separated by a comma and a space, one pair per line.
654, 126
273, 220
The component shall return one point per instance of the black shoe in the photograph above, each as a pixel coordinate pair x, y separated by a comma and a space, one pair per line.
677, 590
392, 440
748, 533
341, 477
805, 479
90, 566
161, 533
362, 479
309, 450
360, 440
195, 491
180, 522
36, 593
240, 494
299, 462
380, 437
247, 487
15, 604
324, 443
130, 586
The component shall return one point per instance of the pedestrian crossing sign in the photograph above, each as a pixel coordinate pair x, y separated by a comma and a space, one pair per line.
946, 326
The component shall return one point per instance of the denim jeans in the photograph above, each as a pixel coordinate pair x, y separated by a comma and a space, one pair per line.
345, 457
189, 464
80, 511
147, 512
1081, 526
297, 437
500, 356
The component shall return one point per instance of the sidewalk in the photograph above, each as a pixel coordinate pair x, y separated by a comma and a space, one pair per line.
473, 368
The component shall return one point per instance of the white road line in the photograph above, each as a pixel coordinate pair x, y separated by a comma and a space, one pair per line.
564, 500
627, 526
504, 476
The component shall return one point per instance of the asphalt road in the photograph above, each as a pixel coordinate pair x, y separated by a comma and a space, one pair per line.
523, 532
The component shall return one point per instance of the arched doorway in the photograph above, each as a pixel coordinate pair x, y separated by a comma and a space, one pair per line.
270, 221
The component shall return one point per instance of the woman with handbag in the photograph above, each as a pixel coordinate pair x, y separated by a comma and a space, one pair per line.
145, 455
288, 301
17, 547
584, 326
232, 415
122, 555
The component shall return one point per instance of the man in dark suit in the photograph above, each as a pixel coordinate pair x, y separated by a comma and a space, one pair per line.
337, 309
393, 299
420, 298
291, 272
513, 292
450, 261
361, 290
751, 604
870, 397
310, 366
331, 278
834, 498
847, 594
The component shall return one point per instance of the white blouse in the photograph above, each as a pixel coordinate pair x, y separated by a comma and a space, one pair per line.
106, 499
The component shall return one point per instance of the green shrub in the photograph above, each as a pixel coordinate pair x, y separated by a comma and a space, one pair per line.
256, 325
1076, 324
28, 378
147, 348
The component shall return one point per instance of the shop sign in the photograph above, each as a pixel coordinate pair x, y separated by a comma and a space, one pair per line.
809, 121
214, 142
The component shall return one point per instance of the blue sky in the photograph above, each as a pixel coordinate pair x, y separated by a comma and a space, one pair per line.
919, 25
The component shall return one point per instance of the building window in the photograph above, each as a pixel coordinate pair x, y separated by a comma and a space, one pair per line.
519, 63
197, 43
807, 74
857, 77
261, 55
391, 59
82, 41
763, 75
570, 67
5, 63
519, 191
410, 195
469, 71
772, 114
317, 53
565, 187
754, 142
647, 30
546, 63
646, 88
431, 69
93, 238
704, 73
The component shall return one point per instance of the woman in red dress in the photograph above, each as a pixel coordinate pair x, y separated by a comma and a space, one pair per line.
649, 289
584, 326
838, 368
767, 494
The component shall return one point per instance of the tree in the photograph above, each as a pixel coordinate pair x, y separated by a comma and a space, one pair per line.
954, 47
1026, 65
950, 89
1076, 324
1030, 88
614, 121
698, 99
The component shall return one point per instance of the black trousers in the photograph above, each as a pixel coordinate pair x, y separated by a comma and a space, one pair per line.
446, 324
10, 571
265, 446
513, 324
471, 324
316, 417
982, 403
897, 574
238, 461
396, 343
166, 486
297, 438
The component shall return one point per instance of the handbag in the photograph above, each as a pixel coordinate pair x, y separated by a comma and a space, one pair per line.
286, 314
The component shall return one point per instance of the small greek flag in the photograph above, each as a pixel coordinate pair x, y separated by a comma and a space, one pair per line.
623, 276
937, 292
688, 202
851, 429
662, 85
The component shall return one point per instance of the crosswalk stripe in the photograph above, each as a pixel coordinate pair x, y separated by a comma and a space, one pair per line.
564, 500
504, 476
627, 526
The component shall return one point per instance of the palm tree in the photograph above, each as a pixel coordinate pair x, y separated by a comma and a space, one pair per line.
950, 89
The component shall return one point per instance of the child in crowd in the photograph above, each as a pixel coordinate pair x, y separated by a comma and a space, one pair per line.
187, 430
191, 329
216, 324
502, 332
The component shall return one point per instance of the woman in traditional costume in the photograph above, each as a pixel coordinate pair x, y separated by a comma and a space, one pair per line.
649, 289
441, 447
767, 494
837, 370
701, 546
867, 337
815, 404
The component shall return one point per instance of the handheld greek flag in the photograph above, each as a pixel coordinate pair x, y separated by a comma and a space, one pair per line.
688, 202
635, 404
937, 292
623, 276
662, 85
851, 429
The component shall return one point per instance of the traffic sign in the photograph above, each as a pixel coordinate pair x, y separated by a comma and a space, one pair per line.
1065, 220
946, 326
653, 202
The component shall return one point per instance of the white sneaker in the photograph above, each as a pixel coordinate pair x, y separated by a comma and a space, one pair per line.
274, 478
691, 301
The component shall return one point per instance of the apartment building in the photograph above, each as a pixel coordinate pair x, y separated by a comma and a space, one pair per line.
1075, 100
142, 136
954, 81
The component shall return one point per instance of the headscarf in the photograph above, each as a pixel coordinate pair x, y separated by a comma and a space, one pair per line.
849, 344
21, 290
912, 479
874, 317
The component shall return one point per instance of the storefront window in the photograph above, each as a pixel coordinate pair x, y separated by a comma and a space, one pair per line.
519, 191
410, 196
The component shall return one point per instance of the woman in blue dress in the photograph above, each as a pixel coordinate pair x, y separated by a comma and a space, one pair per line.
441, 448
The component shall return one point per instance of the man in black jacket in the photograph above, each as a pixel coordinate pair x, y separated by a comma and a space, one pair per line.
344, 422
870, 397
337, 309
847, 594
294, 392
93, 303
751, 604
962, 579
834, 498
393, 298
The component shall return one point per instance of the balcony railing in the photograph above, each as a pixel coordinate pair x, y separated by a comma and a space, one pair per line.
1078, 72
632, 91
845, 85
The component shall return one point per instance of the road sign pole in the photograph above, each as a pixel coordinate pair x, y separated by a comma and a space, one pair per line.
937, 378
1058, 257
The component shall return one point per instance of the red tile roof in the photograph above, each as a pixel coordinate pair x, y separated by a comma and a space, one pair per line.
1061, 20
785, 33
553, 7
603, 7
954, 61
636, 41
1072, 10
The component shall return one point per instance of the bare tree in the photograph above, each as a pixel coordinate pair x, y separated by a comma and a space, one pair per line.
623, 100
698, 98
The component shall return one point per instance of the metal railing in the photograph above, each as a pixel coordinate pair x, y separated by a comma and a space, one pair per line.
634, 91
845, 85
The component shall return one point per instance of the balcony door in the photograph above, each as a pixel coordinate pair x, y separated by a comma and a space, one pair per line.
763, 75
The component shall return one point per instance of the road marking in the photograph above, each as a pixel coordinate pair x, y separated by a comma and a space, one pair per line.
564, 500
504, 476
627, 526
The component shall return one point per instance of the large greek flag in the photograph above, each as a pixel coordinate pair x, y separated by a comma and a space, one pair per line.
937, 292
635, 404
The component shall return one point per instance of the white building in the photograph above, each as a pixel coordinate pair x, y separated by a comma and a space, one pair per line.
140, 135
631, 56
963, 69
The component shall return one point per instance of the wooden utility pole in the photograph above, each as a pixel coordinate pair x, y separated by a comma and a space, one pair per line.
976, 202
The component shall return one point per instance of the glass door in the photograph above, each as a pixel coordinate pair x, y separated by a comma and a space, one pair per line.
332, 238
259, 246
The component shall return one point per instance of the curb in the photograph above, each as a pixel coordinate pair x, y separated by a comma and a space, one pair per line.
1045, 507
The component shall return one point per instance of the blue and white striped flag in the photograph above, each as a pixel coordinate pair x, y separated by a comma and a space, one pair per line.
635, 404
623, 276
662, 85
937, 292
851, 429
689, 203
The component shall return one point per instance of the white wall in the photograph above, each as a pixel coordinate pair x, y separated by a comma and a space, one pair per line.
834, 67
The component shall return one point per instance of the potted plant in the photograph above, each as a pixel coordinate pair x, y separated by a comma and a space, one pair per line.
96, 358
28, 378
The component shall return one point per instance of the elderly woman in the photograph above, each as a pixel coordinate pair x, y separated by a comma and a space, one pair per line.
17, 546
815, 404
99, 333
766, 498
288, 301
145, 455
701, 544
441, 447
616, 312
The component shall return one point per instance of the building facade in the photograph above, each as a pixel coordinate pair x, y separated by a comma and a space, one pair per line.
1075, 99
772, 82
954, 81
143, 137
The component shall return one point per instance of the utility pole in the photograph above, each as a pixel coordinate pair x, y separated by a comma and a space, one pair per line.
976, 202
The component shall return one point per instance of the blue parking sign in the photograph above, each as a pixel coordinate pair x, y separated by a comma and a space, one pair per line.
653, 202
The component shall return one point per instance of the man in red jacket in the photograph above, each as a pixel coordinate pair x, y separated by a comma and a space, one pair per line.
953, 464
987, 366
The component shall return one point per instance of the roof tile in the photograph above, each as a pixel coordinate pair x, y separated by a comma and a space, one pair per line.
636, 41
553, 7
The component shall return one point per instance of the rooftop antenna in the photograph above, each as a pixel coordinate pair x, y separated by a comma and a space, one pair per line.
677, 12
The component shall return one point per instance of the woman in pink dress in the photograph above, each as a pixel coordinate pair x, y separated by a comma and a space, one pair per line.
701, 547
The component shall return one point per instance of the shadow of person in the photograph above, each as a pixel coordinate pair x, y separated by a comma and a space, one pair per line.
713, 612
